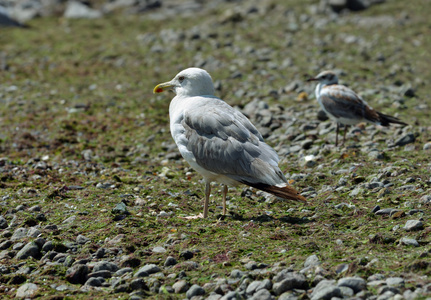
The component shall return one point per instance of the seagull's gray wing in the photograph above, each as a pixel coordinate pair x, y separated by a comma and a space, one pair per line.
342, 102
225, 142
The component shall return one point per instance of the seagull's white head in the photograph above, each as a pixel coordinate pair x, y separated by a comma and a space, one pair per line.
189, 82
325, 78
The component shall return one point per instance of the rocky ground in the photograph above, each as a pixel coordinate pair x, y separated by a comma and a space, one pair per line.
92, 187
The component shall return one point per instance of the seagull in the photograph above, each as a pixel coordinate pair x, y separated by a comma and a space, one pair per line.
218, 141
344, 106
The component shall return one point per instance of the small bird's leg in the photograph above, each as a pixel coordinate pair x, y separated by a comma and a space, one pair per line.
207, 197
336, 135
344, 136
224, 198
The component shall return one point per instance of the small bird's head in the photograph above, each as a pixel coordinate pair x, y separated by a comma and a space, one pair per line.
325, 77
189, 82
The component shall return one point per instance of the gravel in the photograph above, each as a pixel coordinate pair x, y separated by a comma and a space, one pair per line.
303, 137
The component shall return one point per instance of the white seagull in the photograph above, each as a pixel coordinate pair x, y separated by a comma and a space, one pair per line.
218, 141
344, 106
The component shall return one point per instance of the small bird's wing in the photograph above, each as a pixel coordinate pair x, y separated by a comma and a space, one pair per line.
224, 141
344, 103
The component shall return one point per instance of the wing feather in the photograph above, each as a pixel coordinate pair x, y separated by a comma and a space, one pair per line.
342, 102
224, 141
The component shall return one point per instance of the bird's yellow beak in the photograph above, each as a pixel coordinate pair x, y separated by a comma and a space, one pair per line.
163, 87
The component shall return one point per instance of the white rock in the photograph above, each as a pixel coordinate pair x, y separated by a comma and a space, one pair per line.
27, 290
77, 10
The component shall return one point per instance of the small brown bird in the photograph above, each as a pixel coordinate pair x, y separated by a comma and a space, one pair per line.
344, 106
218, 141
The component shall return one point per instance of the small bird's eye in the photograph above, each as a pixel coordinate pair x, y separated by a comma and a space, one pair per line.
181, 78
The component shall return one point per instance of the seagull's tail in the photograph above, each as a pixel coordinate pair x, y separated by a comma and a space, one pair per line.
280, 190
385, 120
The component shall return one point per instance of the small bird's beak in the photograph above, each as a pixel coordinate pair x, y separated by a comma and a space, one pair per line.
163, 87
312, 79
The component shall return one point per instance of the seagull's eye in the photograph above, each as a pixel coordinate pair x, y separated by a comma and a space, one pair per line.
181, 78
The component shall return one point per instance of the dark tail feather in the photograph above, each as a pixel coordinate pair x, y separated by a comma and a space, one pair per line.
286, 191
385, 120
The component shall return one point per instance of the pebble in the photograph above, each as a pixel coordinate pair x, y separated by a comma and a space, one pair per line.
105, 266
413, 225
355, 283
93, 281
385, 211
80, 239
77, 274
290, 281
406, 139
147, 270
409, 242
262, 294
195, 290
395, 281
170, 261
3, 223
159, 249
181, 286
19, 233
30, 249
312, 261
27, 290
326, 293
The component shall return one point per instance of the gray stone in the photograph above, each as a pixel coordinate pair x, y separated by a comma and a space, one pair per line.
123, 271
120, 209
30, 249
385, 296
159, 249
346, 291
427, 146
425, 199
146, 270
7, 21
375, 154
395, 281
93, 281
406, 139
33, 232
262, 294
138, 284
6, 244
312, 261
27, 290
258, 285
355, 283
288, 296
181, 286
77, 274
170, 261
413, 225
327, 293
235, 273
409, 242
80, 239
195, 290
102, 274
19, 233
385, 211
292, 280
384, 289
105, 266
77, 10
3, 223
232, 295
48, 246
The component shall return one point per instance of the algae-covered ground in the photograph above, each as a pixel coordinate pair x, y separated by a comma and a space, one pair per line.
81, 132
